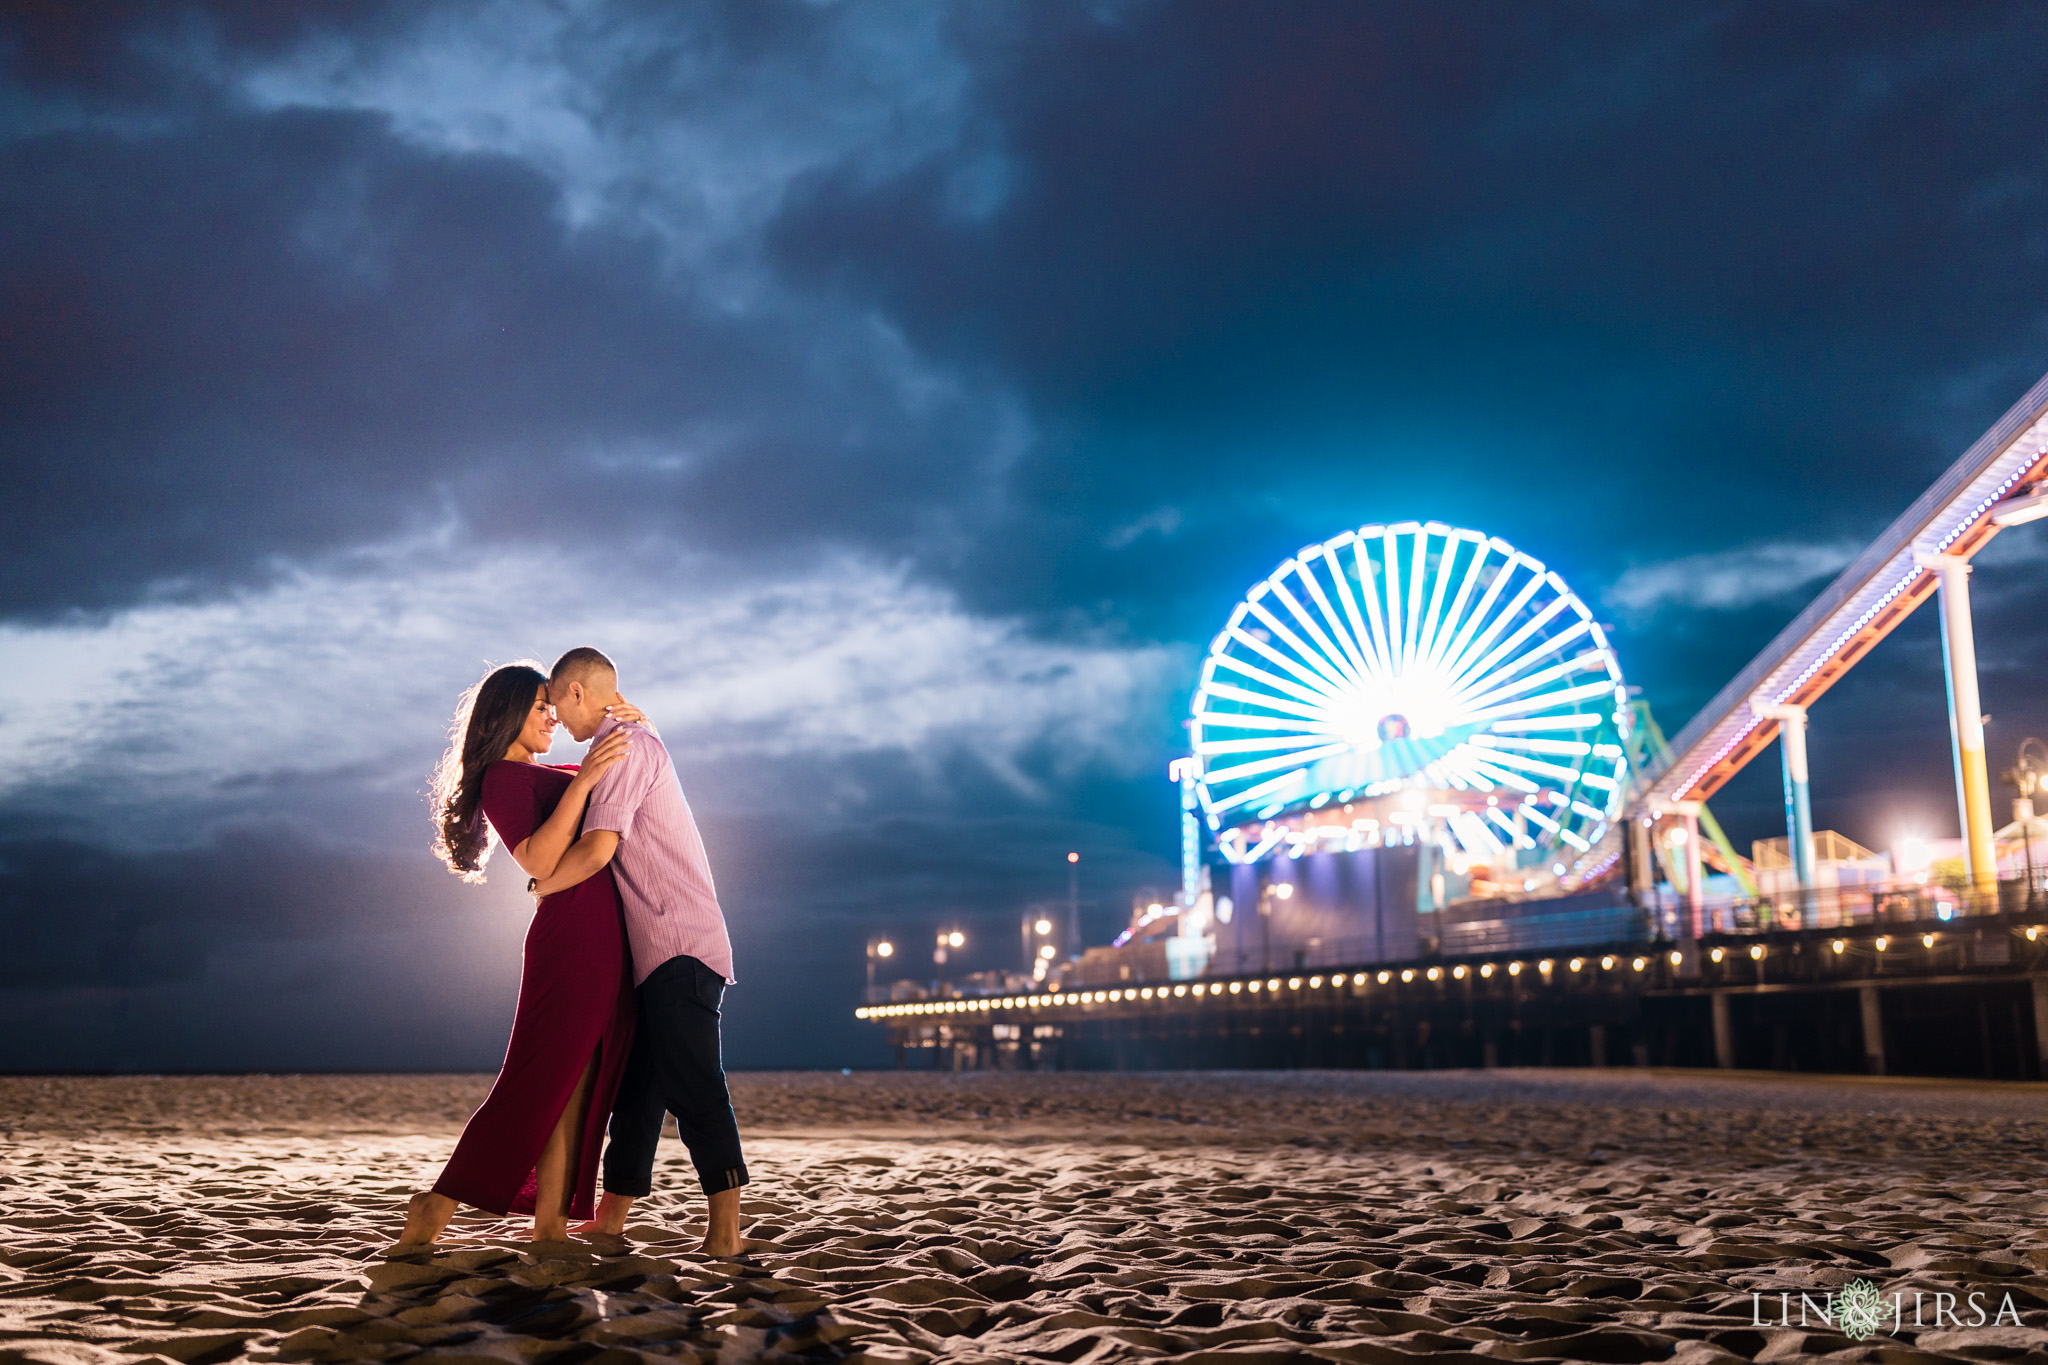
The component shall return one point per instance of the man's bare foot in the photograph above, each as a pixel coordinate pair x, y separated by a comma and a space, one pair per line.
426, 1214
611, 1216
722, 1226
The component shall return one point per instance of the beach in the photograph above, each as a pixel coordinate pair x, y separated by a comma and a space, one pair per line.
1610, 1216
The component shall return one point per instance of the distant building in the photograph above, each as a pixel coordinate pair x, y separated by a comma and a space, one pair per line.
1838, 861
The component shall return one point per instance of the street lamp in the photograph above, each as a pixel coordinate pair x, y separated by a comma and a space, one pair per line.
1034, 929
2025, 777
1273, 891
1073, 905
877, 948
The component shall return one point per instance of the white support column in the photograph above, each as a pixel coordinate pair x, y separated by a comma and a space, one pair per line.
1966, 715
1642, 873
1798, 803
1695, 873
1182, 770
1687, 857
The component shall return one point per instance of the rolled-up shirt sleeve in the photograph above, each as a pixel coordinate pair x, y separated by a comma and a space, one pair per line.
620, 792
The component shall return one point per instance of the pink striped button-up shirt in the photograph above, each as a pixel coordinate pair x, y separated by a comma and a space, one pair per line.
664, 878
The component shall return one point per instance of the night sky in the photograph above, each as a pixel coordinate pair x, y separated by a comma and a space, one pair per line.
904, 395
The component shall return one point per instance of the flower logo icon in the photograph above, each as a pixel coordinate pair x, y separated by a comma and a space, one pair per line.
1859, 1310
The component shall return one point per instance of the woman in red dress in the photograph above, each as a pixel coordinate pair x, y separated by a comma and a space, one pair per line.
533, 1145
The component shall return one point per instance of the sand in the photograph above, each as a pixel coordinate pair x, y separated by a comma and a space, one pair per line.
1370, 1217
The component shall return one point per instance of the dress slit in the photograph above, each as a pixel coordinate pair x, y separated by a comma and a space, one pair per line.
576, 1011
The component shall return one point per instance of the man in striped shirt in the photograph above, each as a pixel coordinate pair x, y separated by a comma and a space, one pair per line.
639, 824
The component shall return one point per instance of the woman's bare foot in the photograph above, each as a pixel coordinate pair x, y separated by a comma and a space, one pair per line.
426, 1214
611, 1216
550, 1230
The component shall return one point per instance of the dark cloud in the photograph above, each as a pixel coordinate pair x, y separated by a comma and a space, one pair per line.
286, 334
1281, 273
233, 334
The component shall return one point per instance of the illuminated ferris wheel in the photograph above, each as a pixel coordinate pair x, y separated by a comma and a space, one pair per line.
1414, 661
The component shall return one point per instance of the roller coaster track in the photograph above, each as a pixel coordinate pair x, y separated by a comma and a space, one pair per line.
1957, 516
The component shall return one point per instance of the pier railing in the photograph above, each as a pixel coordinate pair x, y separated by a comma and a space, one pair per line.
1474, 930
1848, 907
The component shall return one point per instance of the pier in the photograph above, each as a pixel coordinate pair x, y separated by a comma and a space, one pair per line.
1965, 996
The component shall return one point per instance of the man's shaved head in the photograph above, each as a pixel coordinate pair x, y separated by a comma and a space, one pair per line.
584, 665
582, 683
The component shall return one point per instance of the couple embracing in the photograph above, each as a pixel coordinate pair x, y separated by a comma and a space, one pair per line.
624, 968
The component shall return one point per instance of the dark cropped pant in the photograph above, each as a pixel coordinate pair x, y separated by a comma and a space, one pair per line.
675, 1068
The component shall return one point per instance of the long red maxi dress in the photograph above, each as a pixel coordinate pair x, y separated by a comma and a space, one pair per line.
575, 999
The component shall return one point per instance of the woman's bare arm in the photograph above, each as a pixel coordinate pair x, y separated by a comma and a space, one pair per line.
582, 862
541, 851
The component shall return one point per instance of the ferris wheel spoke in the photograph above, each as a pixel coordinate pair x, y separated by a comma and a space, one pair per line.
1251, 794
1519, 838
1368, 591
1475, 664
1390, 583
1417, 561
1265, 845
1483, 611
1561, 747
1499, 776
1540, 702
1314, 696
1544, 616
1432, 616
1337, 682
1267, 765
1374, 663
1507, 671
1531, 765
1336, 657
1287, 708
1528, 682
1459, 760
1310, 679
1252, 746
1478, 840
1501, 618
1313, 583
1240, 720
1443, 629
1580, 721
1439, 777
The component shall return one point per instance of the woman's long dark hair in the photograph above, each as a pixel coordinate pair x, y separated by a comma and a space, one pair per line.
488, 718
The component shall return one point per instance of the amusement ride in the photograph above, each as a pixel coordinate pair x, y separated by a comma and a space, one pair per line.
1413, 681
